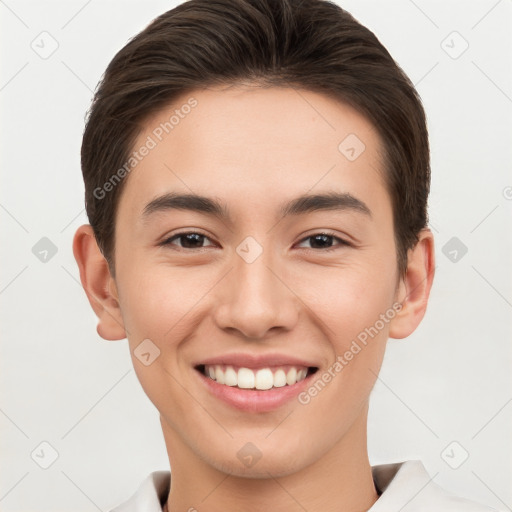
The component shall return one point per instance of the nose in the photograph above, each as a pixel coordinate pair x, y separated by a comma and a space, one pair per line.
256, 298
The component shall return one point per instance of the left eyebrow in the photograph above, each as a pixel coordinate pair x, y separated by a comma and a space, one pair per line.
325, 201
298, 206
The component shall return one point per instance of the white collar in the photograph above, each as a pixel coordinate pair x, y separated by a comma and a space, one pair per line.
405, 487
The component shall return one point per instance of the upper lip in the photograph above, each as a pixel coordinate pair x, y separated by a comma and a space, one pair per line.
255, 361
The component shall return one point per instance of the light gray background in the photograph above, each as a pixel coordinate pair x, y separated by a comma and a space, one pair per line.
61, 383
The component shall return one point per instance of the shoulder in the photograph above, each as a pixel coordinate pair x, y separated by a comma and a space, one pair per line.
407, 486
150, 494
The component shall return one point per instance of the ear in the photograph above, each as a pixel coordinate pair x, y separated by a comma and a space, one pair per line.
414, 289
98, 284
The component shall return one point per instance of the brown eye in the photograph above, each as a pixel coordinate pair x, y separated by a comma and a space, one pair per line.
188, 240
324, 241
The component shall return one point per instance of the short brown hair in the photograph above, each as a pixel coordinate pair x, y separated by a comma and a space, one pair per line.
311, 44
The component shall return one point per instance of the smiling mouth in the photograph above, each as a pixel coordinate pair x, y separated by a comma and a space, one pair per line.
260, 379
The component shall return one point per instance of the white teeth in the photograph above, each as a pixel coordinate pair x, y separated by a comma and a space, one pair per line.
279, 379
245, 378
262, 379
230, 377
301, 374
291, 376
219, 375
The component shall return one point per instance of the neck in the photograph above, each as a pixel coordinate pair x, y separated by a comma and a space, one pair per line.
340, 479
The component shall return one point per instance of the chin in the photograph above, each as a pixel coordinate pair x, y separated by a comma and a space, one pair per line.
274, 465
260, 470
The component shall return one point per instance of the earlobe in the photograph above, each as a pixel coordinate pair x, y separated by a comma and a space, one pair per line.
98, 284
414, 289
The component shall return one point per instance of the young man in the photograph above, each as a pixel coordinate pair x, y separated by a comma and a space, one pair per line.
257, 175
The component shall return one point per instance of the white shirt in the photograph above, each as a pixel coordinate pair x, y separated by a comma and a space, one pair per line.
404, 486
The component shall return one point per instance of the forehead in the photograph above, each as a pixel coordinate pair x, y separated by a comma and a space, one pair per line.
256, 143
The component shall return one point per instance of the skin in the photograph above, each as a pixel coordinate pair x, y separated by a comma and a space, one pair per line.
254, 149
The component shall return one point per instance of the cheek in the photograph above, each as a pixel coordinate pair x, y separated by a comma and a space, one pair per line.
157, 301
352, 305
158, 304
355, 306
350, 299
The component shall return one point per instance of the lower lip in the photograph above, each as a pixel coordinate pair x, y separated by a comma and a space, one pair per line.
254, 400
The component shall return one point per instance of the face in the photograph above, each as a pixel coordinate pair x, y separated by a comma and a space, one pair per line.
252, 285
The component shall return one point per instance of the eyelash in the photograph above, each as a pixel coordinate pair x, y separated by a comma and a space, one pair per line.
341, 241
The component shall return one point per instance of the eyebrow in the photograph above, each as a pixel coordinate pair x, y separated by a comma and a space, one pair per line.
298, 206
